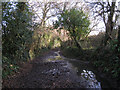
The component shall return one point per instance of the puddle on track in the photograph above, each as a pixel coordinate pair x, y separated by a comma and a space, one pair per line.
78, 67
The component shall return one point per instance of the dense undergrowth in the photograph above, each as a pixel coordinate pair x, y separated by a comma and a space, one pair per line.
43, 41
105, 59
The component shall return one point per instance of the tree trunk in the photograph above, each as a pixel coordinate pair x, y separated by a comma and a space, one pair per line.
77, 44
118, 53
106, 38
74, 38
109, 29
109, 25
118, 36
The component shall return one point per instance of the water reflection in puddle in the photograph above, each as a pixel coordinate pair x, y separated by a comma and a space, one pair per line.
89, 77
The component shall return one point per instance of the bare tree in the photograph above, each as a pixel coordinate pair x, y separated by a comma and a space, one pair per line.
118, 37
107, 11
44, 10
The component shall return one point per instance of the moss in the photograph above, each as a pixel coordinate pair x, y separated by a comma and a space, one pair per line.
55, 58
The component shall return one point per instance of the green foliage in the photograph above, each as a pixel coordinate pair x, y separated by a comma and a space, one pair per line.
16, 34
70, 52
8, 67
109, 60
114, 45
43, 41
74, 21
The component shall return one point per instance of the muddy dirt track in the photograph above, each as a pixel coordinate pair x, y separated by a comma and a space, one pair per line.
41, 73
47, 71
